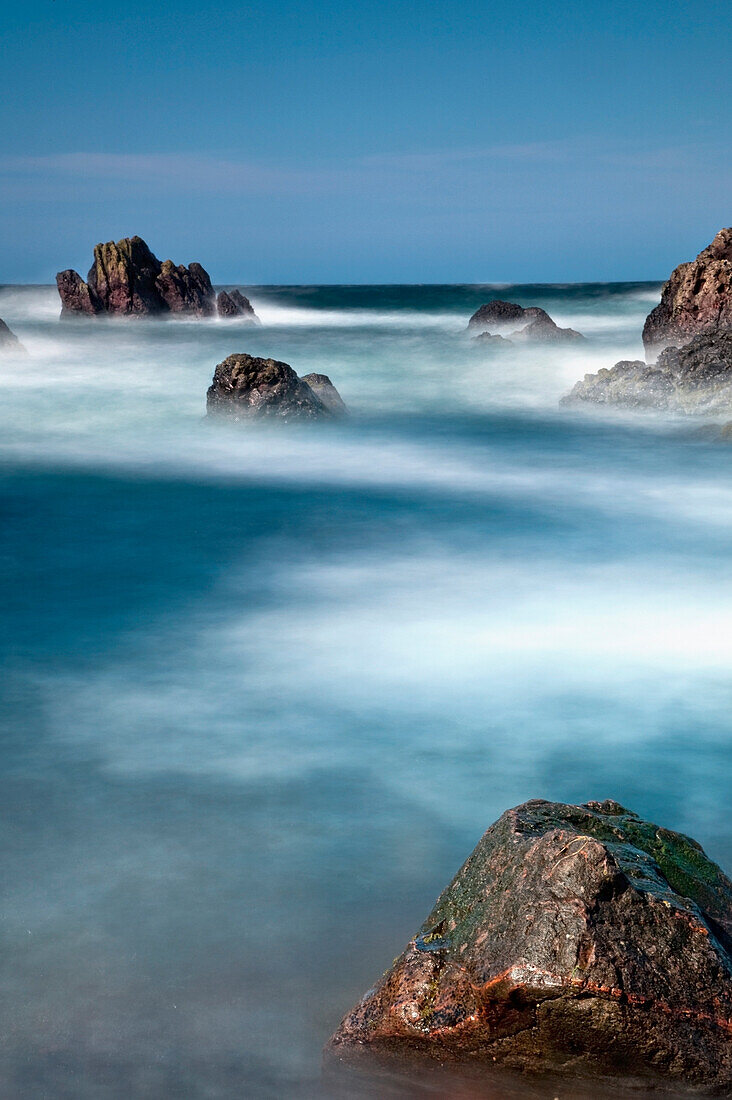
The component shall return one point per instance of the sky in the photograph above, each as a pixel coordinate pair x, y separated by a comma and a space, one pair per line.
371, 141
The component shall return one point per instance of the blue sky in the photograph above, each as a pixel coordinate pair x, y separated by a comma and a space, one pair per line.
371, 141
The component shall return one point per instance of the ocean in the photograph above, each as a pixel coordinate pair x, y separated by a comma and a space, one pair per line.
266, 686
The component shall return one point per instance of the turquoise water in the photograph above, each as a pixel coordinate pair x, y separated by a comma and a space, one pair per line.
265, 688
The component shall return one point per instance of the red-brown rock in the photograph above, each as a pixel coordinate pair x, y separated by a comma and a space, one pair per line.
697, 298
577, 939
127, 279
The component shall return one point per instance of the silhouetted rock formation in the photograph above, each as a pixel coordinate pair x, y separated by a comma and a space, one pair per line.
247, 388
578, 939
127, 279
9, 342
324, 389
534, 323
697, 298
232, 303
694, 379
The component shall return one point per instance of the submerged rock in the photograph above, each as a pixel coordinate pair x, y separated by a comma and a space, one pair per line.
693, 379
9, 342
324, 389
232, 303
696, 299
578, 939
246, 388
535, 324
126, 278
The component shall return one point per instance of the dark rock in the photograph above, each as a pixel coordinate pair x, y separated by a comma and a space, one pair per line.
326, 392
578, 939
535, 324
76, 296
232, 303
693, 379
186, 289
126, 278
697, 298
9, 342
246, 388
496, 313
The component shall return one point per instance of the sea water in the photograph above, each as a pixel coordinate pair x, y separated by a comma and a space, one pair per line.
266, 686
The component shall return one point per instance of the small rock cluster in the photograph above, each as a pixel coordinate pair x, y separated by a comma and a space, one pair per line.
247, 388
497, 318
127, 279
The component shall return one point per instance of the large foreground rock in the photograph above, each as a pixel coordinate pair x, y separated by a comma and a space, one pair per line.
232, 303
531, 324
695, 379
578, 939
697, 298
247, 388
127, 279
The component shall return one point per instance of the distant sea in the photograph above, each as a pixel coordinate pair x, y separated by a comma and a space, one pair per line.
264, 688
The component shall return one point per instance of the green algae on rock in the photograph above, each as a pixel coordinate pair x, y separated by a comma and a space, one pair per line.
578, 939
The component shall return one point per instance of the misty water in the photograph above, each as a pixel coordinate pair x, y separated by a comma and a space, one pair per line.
264, 688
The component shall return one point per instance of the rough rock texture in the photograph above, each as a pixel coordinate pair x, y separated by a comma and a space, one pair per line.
186, 289
693, 379
496, 313
574, 938
232, 303
246, 388
11, 345
324, 389
488, 338
697, 298
76, 295
535, 324
127, 278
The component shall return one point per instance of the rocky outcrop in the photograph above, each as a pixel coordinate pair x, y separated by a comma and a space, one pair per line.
697, 298
693, 379
534, 324
127, 279
575, 939
326, 392
9, 342
232, 303
247, 388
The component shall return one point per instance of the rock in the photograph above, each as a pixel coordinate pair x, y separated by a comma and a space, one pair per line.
126, 278
76, 295
489, 338
247, 388
697, 298
544, 330
324, 389
232, 303
496, 313
9, 342
578, 939
693, 379
186, 289
535, 323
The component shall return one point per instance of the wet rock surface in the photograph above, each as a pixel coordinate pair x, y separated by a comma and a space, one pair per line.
696, 299
531, 324
127, 279
575, 939
245, 388
695, 379
232, 303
